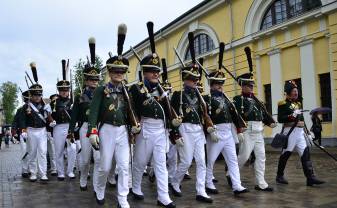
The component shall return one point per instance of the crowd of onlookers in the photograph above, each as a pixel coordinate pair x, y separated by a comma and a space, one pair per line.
6, 136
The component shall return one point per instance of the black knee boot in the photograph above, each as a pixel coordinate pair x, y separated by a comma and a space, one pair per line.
281, 166
308, 169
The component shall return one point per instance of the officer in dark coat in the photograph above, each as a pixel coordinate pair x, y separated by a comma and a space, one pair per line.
289, 112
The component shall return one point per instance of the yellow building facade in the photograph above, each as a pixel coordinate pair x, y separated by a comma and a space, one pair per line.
290, 39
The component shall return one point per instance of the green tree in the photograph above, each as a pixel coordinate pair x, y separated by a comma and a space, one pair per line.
9, 91
78, 79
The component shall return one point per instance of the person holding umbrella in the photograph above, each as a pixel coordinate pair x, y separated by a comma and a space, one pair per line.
316, 127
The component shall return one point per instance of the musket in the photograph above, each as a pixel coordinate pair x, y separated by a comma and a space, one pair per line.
26, 82
207, 119
31, 81
136, 54
173, 116
241, 122
131, 114
269, 118
140, 77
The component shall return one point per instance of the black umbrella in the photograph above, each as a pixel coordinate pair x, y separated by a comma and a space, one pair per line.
321, 110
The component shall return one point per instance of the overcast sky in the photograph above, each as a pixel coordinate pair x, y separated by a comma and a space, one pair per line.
46, 31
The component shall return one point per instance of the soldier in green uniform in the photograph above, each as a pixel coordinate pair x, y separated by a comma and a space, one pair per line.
79, 117
61, 111
224, 115
22, 137
290, 113
252, 139
188, 103
111, 110
33, 121
152, 140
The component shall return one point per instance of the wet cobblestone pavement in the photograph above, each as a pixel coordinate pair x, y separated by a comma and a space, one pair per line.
19, 192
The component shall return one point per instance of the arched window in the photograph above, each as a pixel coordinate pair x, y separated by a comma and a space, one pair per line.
202, 44
282, 10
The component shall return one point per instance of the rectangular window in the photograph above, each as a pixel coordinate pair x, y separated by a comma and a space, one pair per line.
324, 81
267, 95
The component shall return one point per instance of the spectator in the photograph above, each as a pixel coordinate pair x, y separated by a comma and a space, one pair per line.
316, 127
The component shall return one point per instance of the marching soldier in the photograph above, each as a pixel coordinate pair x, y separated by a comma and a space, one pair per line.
33, 121
223, 115
61, 114
50, 143
188, 102
79, 116
290, 114
111, 109
22, 137
252, 139
152, 140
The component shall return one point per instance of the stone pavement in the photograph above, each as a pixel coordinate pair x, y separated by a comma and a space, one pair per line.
18, 192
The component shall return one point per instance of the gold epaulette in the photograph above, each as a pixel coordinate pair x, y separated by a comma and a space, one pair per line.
282, 102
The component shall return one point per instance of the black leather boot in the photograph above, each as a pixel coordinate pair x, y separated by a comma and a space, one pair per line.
281, 166
308, 169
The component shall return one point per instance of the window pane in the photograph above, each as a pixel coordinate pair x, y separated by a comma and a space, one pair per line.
202, 44
282, 8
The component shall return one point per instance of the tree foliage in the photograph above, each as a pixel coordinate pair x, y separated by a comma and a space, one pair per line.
78, 79
9, 98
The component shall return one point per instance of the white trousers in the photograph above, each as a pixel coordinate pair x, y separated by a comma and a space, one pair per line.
194, 146
253, 141
85, 158
51, 152
226, 146
151, 142
24, 149
172, 158
60, 133
37, 156
114, 143
296, 141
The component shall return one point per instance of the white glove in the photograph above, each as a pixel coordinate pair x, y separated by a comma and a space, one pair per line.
52, 124
241, 138
296, 112
211, 129
214, 137
24, 135
179, 142
94, 140
273, 125
135, 129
